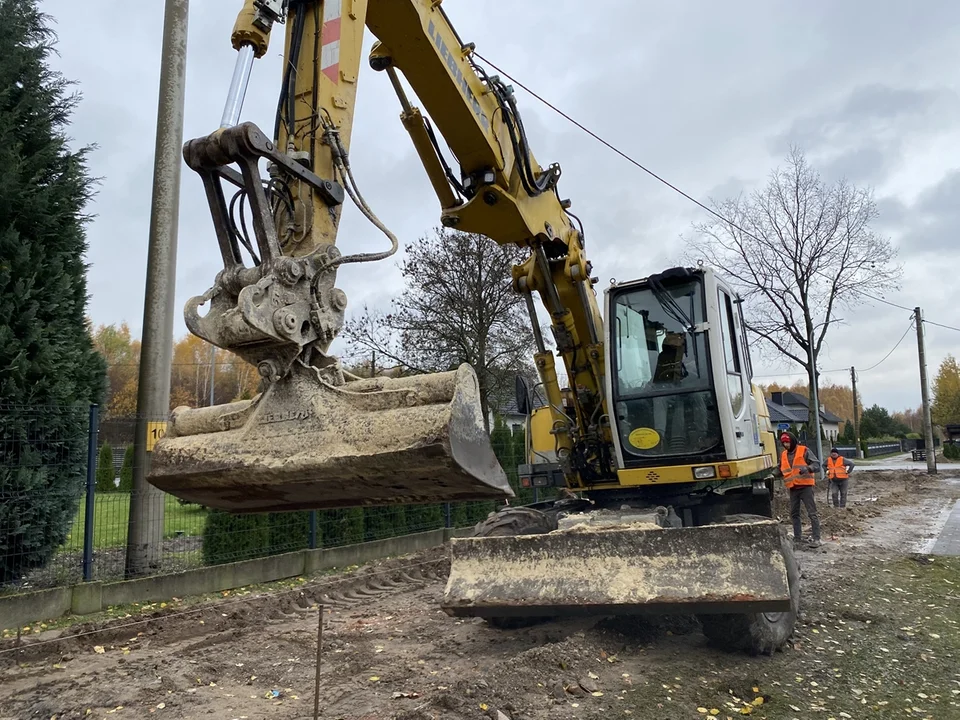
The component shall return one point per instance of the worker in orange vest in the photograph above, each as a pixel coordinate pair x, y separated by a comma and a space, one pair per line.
796, 468
838, 471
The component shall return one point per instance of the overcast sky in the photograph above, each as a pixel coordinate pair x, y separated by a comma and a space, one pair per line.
709, 95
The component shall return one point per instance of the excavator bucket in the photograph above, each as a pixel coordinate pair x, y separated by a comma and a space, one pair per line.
305, 444
621, 570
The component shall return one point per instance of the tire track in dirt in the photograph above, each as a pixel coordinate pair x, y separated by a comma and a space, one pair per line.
390, 652
38, 673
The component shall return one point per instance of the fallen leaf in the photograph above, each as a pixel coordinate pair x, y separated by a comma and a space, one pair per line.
484, 706
98, 649
597, 694
375, 678
702, 710
757, 702
161, 706
593, 675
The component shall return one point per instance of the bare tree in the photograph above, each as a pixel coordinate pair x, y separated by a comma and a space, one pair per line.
458, 307
797, 251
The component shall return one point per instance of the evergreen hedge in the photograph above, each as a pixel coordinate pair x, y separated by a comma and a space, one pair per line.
105, 475
50, 371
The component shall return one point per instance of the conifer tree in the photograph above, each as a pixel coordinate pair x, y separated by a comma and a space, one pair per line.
49, 371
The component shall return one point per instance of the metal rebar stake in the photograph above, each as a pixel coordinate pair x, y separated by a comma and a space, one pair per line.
316, 688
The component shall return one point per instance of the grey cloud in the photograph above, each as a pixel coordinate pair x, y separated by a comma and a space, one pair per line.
863, 136
698, 92
934, 219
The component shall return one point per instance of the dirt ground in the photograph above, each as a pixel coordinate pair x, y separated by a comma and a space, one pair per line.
878, 637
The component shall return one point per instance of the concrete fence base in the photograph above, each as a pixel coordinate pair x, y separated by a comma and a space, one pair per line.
92, 597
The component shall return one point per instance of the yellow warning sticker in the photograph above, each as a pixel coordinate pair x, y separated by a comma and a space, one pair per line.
644, 438
155, 431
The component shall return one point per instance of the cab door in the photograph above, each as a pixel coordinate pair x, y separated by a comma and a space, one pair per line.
738, 375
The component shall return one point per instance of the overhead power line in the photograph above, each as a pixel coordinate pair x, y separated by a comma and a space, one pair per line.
670, 185
846, 369
909, 328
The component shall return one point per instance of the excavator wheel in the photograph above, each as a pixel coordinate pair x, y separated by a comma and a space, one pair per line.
757, 633
508, 522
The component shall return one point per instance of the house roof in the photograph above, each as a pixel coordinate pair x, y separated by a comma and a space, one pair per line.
781, 414
797, 408
509, 405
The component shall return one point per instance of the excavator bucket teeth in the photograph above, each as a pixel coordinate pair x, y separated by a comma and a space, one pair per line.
620, 571
306, 444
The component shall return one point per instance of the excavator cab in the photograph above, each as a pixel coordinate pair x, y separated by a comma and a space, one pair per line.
686, 526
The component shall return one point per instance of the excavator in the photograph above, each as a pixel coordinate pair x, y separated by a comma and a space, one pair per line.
657, 445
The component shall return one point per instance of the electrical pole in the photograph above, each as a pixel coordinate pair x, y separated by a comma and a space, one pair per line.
814, 412
145, 527
856, 414
931, 450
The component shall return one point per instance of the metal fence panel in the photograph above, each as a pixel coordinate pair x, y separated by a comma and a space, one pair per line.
47, 453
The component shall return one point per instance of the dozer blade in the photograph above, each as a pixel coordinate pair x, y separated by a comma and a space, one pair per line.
620, 571
306, 444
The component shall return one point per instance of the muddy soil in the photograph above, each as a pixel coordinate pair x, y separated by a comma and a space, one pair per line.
390, 653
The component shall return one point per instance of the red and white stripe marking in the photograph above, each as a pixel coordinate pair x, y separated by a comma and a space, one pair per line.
330, 40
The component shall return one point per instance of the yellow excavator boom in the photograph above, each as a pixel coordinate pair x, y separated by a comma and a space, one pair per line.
657, 437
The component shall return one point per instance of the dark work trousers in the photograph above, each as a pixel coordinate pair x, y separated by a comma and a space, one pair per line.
838, 492
804, 494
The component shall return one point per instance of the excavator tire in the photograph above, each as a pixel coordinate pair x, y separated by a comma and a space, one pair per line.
757, 633
508, 522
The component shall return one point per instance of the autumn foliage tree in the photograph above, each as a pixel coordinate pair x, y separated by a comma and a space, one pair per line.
121, 352
946, 393
233, 379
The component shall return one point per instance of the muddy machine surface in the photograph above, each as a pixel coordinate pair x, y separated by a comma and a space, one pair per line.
658, 440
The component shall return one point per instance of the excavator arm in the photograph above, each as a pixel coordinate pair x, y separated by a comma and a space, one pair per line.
317, 437
315, 428
503, 193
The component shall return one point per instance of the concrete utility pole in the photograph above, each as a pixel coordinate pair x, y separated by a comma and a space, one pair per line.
814, 413
145, 529
213, 370
931, 451
856, 413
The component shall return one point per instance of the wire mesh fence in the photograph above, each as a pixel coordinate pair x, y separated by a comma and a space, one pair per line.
67, 493
43, 468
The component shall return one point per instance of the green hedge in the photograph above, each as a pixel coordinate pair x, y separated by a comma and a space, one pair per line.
126, 470
105, 476
228, 538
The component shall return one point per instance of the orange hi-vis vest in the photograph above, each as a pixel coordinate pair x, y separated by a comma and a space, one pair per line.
837, 469
791, 474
